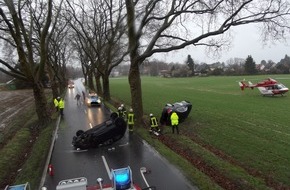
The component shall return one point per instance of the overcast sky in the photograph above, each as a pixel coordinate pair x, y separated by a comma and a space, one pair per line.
247, 41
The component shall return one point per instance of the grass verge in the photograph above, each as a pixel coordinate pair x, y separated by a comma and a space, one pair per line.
24, 149
193, 175
248, 129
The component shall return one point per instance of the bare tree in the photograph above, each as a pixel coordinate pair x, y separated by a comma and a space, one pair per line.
99, 27
25, 27
173, 24
60, 53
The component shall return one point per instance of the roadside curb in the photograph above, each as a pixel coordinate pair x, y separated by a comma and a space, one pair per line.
49, 154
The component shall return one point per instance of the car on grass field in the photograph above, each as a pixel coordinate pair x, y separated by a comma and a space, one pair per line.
93, 100
182, 109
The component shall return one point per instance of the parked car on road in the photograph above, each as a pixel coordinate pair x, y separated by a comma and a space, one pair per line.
71, 84
93, 100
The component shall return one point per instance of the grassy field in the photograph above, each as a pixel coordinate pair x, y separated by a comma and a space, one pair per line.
241, 134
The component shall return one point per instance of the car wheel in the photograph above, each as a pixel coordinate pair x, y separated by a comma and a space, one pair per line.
108, 142
79, 132
114, 115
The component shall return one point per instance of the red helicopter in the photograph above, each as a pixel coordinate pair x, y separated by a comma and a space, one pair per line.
268, 87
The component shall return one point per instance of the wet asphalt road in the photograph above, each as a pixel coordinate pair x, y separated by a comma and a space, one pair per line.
129, 151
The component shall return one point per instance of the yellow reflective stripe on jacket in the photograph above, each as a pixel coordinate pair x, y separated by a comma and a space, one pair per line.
61, 104
174, 119
130, 118
55, 102
154, 122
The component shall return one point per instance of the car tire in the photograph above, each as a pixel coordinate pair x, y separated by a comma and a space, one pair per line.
114, 116
79, 132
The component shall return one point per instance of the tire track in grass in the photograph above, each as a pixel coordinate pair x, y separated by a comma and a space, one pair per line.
228, 134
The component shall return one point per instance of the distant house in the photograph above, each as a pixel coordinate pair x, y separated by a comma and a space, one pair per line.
202, 69
266, 67
165, 73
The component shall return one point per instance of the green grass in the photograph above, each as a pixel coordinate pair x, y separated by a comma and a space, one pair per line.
16, 140
252, 129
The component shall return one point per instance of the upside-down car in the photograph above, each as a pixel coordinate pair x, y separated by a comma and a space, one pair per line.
182, 109
105, 133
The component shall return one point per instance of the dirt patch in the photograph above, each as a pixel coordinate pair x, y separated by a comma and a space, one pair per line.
214, 173
12, 103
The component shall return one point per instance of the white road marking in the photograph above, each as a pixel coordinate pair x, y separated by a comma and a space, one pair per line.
142, 171
78, 150
107, 167
124, 144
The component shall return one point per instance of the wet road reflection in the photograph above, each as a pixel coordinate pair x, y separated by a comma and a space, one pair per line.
129, 151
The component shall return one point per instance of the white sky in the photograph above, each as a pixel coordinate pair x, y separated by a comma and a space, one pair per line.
247, 41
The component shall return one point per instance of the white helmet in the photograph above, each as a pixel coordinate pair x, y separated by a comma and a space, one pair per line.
151, 114
119, 108
131, 110
122, 105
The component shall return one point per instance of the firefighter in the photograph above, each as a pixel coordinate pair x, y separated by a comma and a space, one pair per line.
61, 106
120, 112
153, 123
124, 111
174, 122
131, 118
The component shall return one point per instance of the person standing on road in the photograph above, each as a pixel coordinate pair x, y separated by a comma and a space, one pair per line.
174, 122
61, 106
131, 120
55, 102
124, 111
120, 113
77, 97
153, 123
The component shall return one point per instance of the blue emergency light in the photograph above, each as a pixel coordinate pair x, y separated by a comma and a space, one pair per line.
122, 178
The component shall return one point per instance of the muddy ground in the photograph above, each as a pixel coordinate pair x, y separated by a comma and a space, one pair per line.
12, 103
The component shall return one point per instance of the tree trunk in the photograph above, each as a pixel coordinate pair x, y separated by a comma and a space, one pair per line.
98, 84
90, 81
136, 91
106, 87
54, 88
41, 104
134, 73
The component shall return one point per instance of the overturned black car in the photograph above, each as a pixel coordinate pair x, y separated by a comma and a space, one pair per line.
105, 133
182, 109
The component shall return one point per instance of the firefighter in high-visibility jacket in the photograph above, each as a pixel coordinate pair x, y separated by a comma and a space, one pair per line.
61, 106
130, 120
153, 123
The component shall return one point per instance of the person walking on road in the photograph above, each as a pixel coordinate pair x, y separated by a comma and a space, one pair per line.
174, 122
77, 97
131, 119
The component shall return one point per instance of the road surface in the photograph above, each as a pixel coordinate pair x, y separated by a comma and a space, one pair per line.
94, 163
